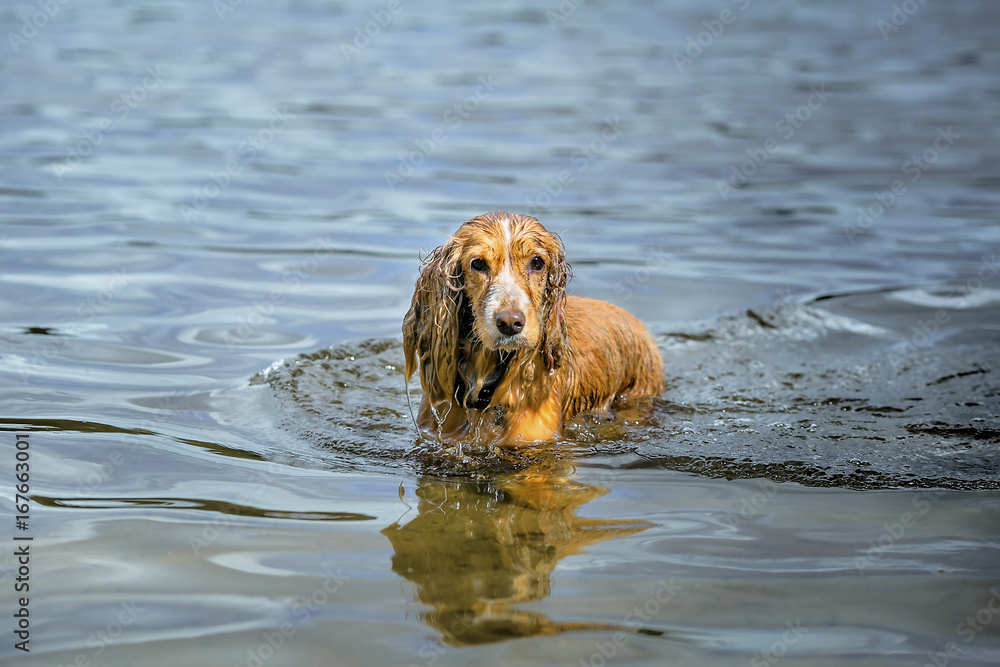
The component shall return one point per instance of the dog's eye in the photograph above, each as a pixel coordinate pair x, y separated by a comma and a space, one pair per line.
537, 263
479, 264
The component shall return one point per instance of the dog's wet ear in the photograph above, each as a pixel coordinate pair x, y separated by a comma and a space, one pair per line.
431, 326
554, 303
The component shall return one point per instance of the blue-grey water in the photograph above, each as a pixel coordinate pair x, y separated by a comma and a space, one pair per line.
211, 217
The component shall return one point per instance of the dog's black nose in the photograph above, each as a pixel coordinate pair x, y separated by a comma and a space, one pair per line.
510, 322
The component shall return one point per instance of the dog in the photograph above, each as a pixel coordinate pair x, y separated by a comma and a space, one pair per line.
504, 354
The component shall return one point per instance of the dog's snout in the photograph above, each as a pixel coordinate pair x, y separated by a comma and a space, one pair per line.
510, 322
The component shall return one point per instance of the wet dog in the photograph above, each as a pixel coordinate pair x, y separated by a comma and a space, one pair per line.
503, 352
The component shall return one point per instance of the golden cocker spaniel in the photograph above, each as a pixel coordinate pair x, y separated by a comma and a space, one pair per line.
504, 354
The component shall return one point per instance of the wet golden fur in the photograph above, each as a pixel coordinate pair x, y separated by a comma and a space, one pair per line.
572, 354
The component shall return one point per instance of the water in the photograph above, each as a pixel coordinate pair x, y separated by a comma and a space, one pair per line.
211, 225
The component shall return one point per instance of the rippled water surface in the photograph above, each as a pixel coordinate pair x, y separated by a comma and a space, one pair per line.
211, 218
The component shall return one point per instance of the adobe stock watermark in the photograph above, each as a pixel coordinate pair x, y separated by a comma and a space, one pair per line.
768, 317
781, 646
655, 261
364, 34
922, 336
895, 531
580, 161
453, 118
640, 616
785, 127
121, 108
562, 12
223, 7
967, 630
988, 269
431, 651
257, 487
301, 612
31, 27
915, 167
109, 635
246, 154
752, 506
291, 279
218, 527
88, 310
96, 478
698, 43
899, 17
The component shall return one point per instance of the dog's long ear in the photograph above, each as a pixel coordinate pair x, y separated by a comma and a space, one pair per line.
431, 326
554, 303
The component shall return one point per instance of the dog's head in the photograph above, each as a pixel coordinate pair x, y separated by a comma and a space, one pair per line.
498, 283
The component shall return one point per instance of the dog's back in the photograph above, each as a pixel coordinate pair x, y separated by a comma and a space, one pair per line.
611, 355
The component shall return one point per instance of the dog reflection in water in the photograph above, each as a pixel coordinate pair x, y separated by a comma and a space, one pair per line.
477, 548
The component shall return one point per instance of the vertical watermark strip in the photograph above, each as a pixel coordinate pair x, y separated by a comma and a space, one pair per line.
22, 542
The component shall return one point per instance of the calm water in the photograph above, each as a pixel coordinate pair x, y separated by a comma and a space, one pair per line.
212, 215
